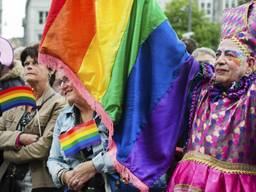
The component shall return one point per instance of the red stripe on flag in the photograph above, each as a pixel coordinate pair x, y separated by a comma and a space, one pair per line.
68, 37
86, 125
15, 89
56, 6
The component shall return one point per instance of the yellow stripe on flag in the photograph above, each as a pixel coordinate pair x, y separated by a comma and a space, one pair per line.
112, 19
13, 96
75, 137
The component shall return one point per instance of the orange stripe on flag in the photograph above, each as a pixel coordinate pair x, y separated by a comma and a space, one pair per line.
80, 32
56, 6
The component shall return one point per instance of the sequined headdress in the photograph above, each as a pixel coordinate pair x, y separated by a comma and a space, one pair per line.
239, 25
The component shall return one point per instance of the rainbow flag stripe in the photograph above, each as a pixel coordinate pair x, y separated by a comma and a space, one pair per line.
79, 137
16, 96
128, 63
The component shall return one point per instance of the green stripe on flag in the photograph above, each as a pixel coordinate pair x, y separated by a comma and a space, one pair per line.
146, 15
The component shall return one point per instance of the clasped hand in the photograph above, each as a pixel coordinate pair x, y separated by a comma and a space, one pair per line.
27, 139
75, 179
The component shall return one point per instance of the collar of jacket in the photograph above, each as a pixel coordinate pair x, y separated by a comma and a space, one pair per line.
46, 95
70, 111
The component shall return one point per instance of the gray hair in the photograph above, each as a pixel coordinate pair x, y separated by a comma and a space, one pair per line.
203, 50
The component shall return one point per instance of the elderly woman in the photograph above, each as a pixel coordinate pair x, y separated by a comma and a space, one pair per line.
204, 55
85, 169
220, 151
26, 133
90, 168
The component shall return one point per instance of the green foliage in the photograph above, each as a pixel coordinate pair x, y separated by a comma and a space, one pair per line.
240, 2
207, 34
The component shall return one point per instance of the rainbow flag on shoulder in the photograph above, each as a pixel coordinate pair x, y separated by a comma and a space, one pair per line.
131, 68
79, 137
16, 96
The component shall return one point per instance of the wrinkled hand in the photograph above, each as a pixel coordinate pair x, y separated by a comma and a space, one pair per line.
81, 174
27, 139
66, 177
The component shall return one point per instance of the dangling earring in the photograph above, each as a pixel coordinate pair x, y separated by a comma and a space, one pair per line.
233, 85
248, 73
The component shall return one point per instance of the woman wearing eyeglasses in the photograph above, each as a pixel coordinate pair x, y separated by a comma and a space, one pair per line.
86, 168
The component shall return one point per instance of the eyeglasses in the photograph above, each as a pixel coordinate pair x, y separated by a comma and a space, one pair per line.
63, 81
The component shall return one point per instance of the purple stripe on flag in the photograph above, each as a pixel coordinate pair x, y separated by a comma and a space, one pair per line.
82, 145
15, 103
150, 158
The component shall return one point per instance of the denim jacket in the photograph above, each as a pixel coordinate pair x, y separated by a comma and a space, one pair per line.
57, 161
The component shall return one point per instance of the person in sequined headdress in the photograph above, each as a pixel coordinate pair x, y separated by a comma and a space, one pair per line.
221, 137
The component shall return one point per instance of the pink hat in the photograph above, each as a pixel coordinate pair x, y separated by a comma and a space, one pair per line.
239, 24
6, 52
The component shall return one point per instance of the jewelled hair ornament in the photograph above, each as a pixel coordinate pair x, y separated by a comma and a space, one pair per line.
239, 25
6, 52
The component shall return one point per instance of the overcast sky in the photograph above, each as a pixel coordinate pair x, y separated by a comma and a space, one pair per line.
13, 13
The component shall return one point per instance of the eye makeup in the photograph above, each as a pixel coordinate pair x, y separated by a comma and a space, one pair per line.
235, 56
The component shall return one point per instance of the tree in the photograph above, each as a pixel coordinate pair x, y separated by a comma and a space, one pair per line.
207, 34
240, 2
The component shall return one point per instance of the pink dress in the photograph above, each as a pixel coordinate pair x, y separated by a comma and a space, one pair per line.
221, 152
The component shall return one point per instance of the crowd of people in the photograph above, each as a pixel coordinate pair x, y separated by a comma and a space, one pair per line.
217, 147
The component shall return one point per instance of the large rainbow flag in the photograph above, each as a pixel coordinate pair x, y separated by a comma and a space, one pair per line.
126, 60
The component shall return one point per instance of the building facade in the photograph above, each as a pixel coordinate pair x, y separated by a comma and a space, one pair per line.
33, 23
212, 8
1, 13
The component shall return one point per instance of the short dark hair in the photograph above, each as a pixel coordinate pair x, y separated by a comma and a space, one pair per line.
190, 43
31, 51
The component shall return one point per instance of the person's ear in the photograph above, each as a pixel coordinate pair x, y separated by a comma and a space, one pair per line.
251, 63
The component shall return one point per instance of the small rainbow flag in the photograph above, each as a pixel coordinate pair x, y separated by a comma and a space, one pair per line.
79, 137
16, 96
